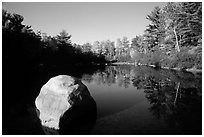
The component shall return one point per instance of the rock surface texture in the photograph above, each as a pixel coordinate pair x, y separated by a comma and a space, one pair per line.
58, 95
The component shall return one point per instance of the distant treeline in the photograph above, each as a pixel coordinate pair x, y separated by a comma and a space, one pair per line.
172, 39
21, 44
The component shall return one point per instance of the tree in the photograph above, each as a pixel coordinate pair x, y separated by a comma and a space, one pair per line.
12, 22
16, 21
63, 38
109, 48
97, 47
112, 50
138, 47
183, 23
118, 47
125, 45
5, 18
27, 29
174, 23
136, 43
154, 31
86, 47
192, 13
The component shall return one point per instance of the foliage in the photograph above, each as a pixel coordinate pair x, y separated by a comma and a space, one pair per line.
153, 30
192, 34
173, 33
172, 39
63, 38
28, 47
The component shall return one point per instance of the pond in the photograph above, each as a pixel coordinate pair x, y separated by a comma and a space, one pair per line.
129, 100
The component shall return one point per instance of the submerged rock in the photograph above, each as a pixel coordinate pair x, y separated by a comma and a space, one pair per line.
57, 96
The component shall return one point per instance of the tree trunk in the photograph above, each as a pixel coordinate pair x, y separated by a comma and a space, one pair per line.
177, 44
177, 92
145, 50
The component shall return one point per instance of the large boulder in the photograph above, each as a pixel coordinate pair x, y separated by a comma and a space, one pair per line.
57, 96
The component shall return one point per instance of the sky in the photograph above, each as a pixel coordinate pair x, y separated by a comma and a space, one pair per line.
86, 21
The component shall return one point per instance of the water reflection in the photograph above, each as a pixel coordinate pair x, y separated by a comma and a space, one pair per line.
112, 74
130, 100
138, 76
174, 97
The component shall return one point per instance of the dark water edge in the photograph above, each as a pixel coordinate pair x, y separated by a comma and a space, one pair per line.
22, 86
169, 103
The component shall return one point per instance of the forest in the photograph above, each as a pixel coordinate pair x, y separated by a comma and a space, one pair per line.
173, 39
112, 70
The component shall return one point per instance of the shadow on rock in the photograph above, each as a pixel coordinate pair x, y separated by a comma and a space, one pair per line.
65, 106
80, 118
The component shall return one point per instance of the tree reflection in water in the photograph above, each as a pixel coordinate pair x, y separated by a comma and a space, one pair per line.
175, 97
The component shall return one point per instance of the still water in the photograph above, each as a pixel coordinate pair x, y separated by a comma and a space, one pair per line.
129, 100
142, 100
